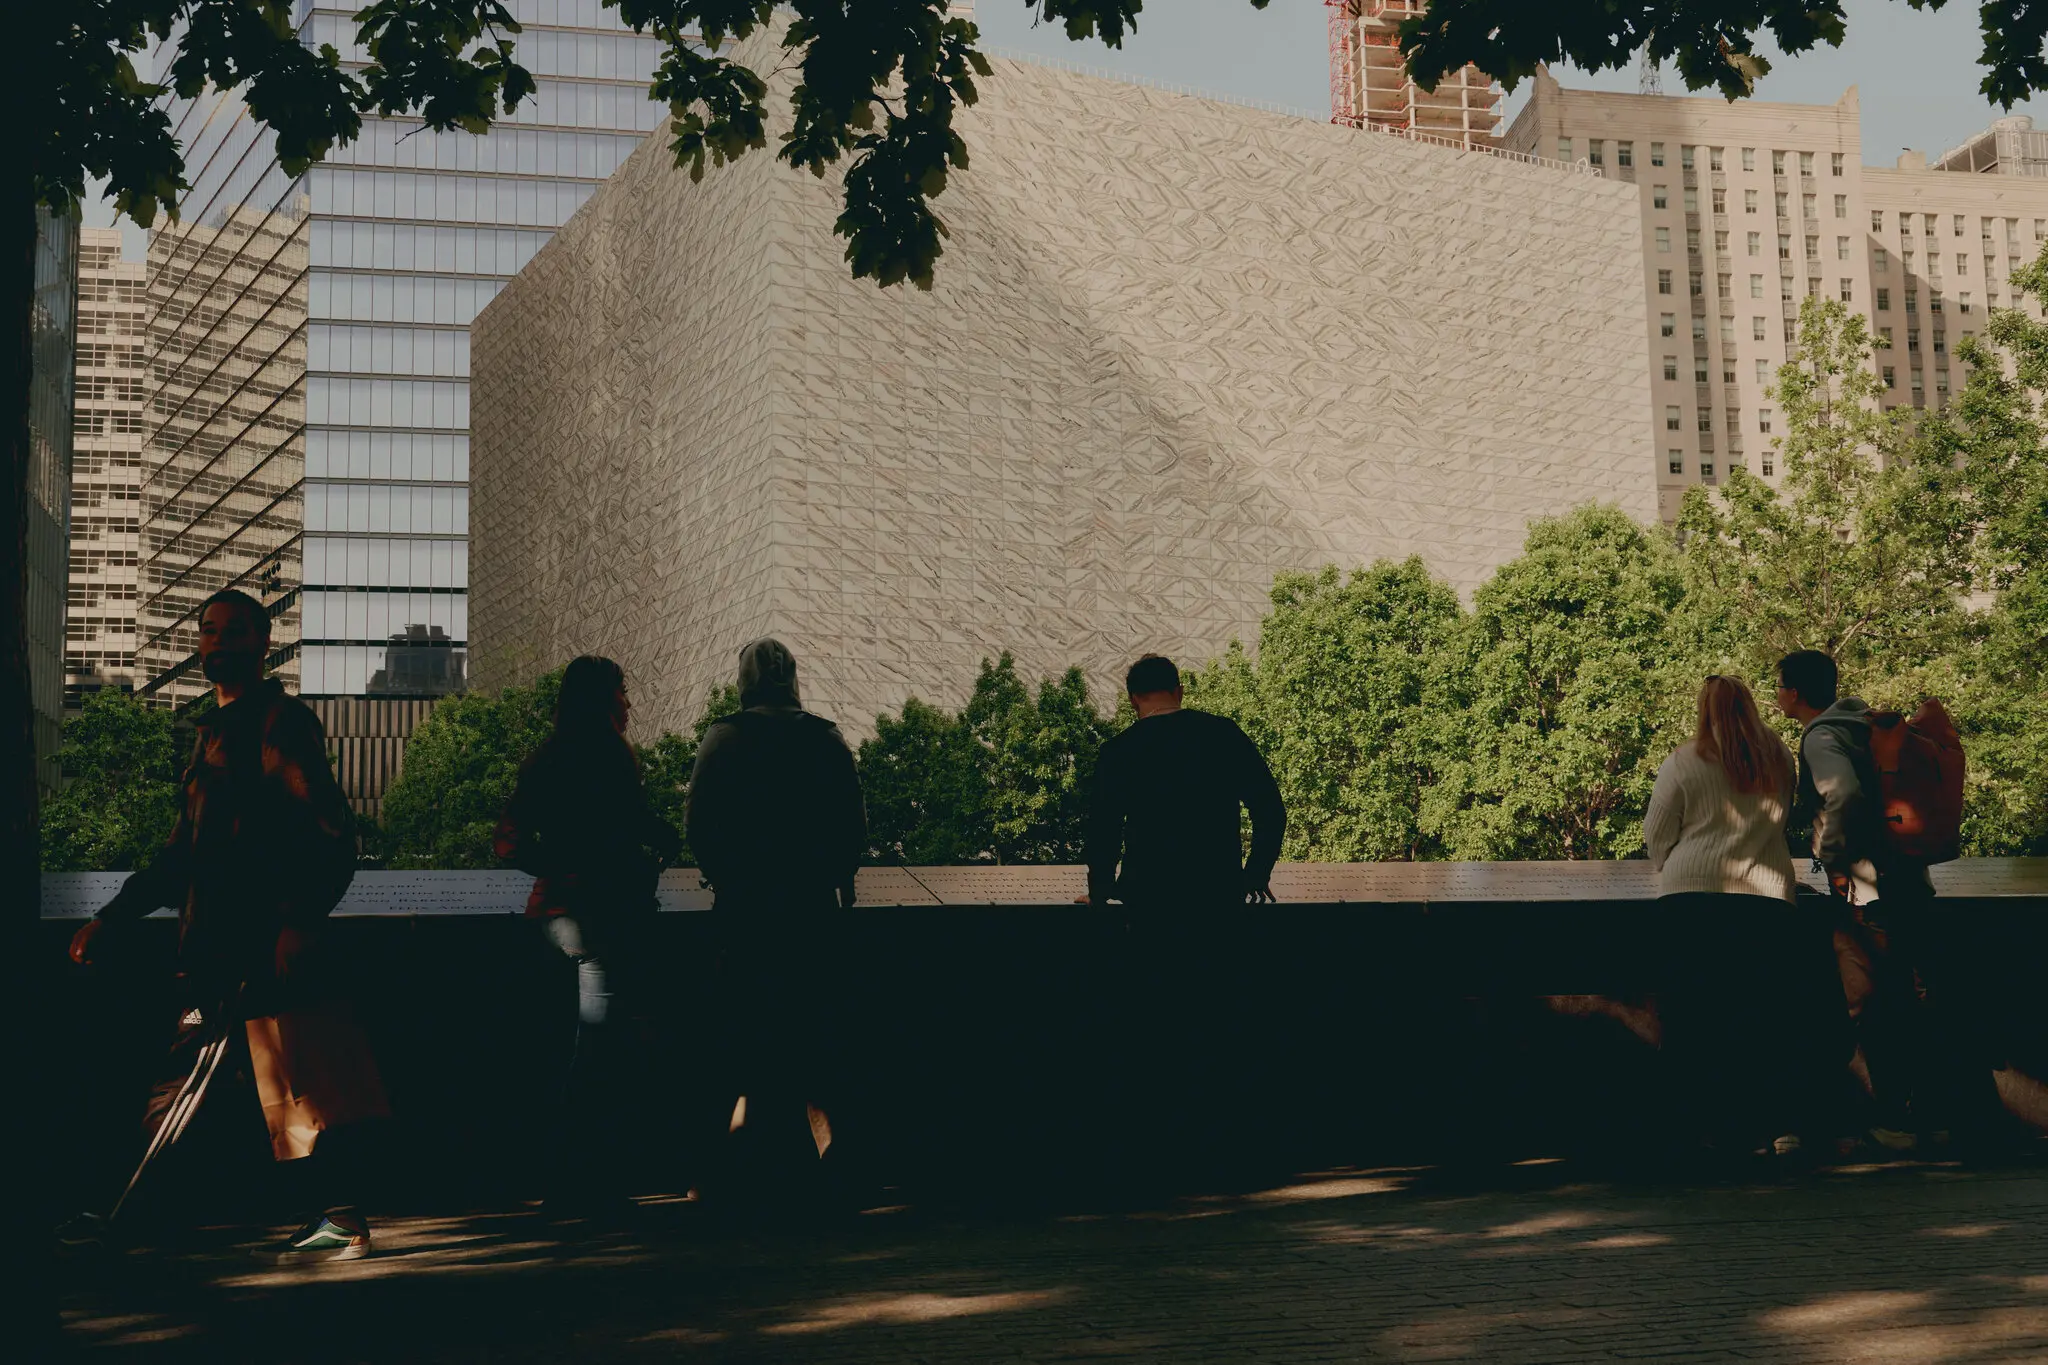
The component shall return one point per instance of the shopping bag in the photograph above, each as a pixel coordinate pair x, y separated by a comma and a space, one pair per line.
313, 1071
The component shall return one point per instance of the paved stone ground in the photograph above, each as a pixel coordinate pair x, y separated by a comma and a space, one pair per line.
1898, 1263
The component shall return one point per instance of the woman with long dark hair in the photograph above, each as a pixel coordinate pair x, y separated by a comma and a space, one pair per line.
579, 821
1746, 1001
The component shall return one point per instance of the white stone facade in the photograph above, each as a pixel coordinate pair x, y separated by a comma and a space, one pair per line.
1175, 347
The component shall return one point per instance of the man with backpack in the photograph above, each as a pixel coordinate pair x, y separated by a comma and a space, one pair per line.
1883, 794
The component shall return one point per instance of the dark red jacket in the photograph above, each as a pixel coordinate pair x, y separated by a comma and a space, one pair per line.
264, 840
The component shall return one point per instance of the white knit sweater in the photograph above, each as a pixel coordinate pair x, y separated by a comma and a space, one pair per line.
1703, 835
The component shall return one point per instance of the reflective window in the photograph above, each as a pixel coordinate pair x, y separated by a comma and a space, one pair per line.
398, 298
387, 350
398, 508
421, 668
404, 455
569, 13
505, 151
608, 56
387, 402
409, 246
377, 616
581, 104
362, 561
446, 198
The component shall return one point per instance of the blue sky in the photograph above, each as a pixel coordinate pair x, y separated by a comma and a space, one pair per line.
1917, 72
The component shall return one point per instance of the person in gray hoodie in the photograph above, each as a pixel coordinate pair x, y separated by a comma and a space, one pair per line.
776, 821
1919, 1048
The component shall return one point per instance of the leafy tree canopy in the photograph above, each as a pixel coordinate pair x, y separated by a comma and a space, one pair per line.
1568, 648
120, 793
1355, 681
463, 761
1710, 42
1006, 780
927, 797
461, 765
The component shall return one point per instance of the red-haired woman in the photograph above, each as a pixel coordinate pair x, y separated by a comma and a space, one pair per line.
1751, 1004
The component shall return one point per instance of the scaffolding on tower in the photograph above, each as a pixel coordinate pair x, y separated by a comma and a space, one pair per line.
1370, 87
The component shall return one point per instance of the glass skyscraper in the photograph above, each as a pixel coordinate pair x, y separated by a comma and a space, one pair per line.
309, 360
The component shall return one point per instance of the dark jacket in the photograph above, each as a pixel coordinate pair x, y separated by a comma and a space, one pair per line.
263, 842
775, 813
579, 821
1167, 795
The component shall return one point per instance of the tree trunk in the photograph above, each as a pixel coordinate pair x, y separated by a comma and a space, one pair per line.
33, 1317
17, 703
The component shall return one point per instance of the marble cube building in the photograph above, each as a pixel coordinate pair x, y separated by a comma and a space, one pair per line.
1175, 346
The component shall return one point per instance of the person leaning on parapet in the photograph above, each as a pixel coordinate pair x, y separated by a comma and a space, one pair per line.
1163, 823
776, 821
579, 821
1918, 1043
1164, 838
1749, 995
262, 851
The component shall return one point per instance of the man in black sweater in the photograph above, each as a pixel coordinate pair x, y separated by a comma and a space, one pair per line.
1167, 796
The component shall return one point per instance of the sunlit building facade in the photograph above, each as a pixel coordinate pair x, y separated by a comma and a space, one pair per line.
106, 467
1749, 209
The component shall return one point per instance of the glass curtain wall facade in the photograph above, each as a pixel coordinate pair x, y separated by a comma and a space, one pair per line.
339, 311
53, 337
225, 458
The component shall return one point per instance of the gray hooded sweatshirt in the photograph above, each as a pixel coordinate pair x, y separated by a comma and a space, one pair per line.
775, 813
1838, 787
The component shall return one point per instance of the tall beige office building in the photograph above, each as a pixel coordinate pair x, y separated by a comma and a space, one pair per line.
1749, 208
106, 466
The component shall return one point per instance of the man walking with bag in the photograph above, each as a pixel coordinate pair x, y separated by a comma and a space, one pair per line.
262, 851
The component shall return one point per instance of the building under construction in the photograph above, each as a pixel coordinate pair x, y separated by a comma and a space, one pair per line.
1370, 87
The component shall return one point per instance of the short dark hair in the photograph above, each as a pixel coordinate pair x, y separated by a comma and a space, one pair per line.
1152, 673
1812, 675
235, 597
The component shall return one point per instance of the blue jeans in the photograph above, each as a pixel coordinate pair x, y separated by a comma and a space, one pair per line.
599, 1069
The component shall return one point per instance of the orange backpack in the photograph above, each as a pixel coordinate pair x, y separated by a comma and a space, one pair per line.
1919, 761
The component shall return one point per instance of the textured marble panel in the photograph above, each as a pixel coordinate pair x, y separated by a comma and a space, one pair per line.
1175, 346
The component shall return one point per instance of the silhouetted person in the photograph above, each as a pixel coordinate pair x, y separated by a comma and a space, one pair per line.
1921, 1043
1164, 838
262, 851
1751, 1006
579, 821
1168, 792
777, 826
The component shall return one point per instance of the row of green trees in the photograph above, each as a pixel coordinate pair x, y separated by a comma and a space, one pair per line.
1005, 779
1401, 722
